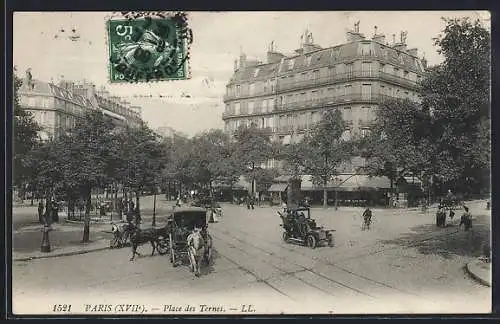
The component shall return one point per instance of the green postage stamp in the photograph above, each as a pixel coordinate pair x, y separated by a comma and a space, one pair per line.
143, 48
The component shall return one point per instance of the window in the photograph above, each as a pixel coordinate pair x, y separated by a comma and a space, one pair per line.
366, 91
271, 104
252, 88
237, 107
314, 95
256, 72
366, 68
316, 74
290, 64
365, 49
250, 107
238, 89
347, 114
396, 71
308, 60
348, 69
405, 74
347, 91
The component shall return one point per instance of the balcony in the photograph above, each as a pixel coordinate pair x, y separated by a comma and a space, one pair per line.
246, 94
318, 103
343, 77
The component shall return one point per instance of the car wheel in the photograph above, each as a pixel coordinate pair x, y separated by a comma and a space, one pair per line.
311, 241
330, 241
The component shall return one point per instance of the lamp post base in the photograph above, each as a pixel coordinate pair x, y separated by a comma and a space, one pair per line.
45, 246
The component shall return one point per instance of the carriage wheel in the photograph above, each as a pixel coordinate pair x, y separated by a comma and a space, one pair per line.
311, 241
162, 246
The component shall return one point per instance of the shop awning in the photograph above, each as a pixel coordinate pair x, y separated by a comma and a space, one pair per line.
348, 182
278, 187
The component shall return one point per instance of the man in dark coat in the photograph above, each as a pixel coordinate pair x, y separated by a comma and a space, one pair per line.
40, 211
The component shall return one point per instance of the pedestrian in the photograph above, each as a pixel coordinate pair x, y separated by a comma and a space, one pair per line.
252, 202
440, 217
367, 218
40, 211
55, 211
466, 219
452, 213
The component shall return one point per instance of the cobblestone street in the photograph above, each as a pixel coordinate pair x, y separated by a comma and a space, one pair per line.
402, 264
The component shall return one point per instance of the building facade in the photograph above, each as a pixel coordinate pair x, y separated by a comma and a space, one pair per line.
56, 108
287, 95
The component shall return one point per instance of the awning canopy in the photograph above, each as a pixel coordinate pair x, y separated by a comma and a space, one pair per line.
413, 180
348, 182
278, 187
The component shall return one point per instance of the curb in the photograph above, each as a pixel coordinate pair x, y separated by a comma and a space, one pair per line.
61, 254
476, 277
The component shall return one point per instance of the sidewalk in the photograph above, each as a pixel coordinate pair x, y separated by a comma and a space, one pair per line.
480, 271
65, 239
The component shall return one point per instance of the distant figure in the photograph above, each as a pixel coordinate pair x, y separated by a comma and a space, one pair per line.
40, 211
452, 214
466, 219
440, 217
367, 219
284, 206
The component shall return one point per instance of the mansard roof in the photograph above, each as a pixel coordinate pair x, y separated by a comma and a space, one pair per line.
329, 57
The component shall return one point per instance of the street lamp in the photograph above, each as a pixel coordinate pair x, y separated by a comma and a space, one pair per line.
337, 182
45, 246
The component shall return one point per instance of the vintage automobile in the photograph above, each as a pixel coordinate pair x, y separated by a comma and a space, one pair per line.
182, 223
300, 228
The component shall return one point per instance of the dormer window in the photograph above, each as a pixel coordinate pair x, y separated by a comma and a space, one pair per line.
308, 60
256, 72
291, 64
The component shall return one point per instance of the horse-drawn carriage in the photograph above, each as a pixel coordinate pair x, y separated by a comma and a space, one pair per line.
189, 238
300, 228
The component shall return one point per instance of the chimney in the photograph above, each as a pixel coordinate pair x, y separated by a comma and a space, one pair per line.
379, 38
401, 46
413, 52
354, 37
424, 62
243, 59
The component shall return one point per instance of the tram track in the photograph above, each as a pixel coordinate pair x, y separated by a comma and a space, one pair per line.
293, 274
334, 264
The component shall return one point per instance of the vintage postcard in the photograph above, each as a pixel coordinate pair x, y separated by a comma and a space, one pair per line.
247, 163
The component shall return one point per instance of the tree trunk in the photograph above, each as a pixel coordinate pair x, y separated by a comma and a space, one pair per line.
325, 197
86, 221
138, 210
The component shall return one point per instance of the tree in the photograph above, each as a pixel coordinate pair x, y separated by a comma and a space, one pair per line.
25, 134
324, 149
252, 146
400, 142
457, 95
177, 150
141, 159
88, 157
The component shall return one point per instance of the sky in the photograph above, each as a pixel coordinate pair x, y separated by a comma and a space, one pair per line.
219, 38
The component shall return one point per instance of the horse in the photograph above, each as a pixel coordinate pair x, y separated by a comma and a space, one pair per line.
138, 237
198, 248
